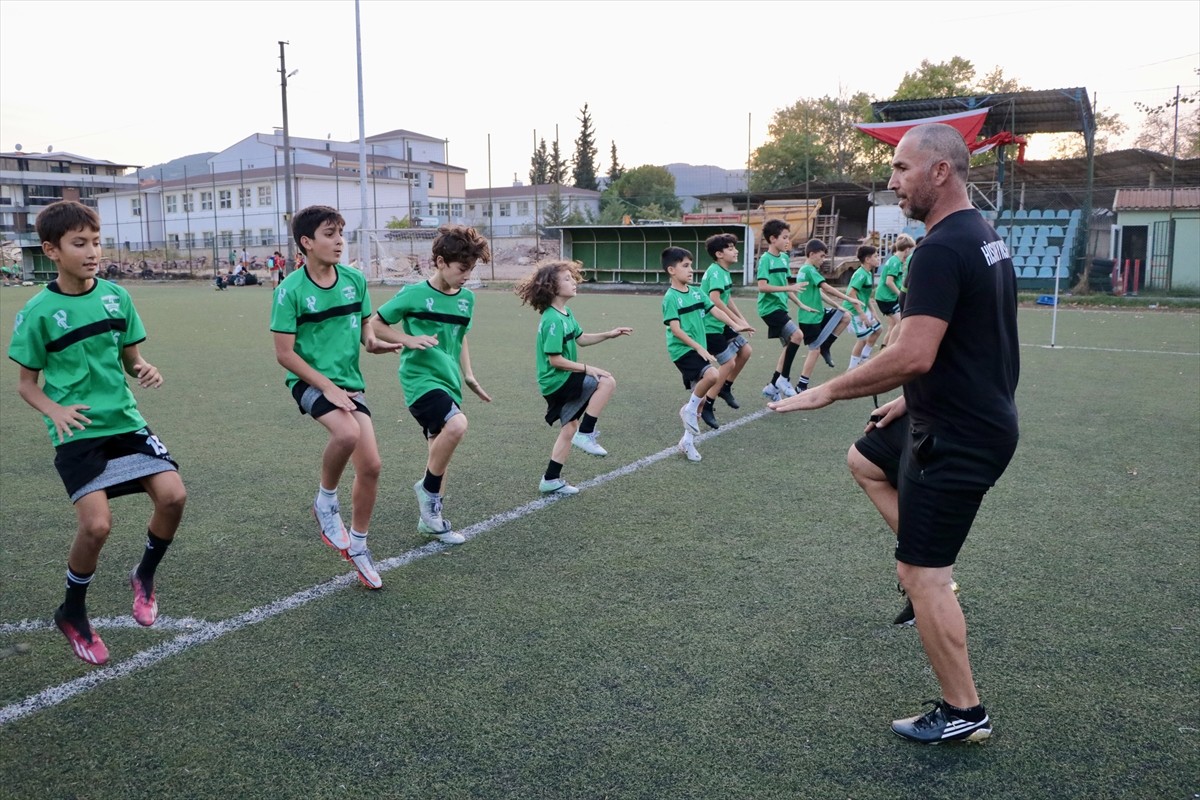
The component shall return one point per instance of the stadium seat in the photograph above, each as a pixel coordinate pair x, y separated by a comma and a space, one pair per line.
1021, 214
1049, 261
1029, 272
1063, 272
1024, 251
1005, 215
1035, 213
1045, 272
1055, 232
1038, 250
1053, 250
1041, 241
1075, 212
1018, 262
1002, 231
1062, 213
1016, 271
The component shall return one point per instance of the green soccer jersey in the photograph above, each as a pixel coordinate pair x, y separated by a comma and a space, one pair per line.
860, 289
76, 342
424, 311
775, 270
904, 272
716, 279
810, 295
894, 267
327, 323
557, 334
690, 307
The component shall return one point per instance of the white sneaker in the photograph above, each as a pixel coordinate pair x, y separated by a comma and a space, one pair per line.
784, 387
770, 392
447, 536
688, 448
690, 424
588, 444
365, 567
557, 486
333, 530
431, 521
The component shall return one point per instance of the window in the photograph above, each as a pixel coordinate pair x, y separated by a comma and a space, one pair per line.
172, 205
243, 197
207, 238
89, 169
206, 201
173, 240
247, 237
456, 209
225, 198
266, 236
226, 238
135, 206
187, 203
442, 210
189, 240
487, 211
506, 209
110, 243
523, 208
264, 195
471, 208
111, 171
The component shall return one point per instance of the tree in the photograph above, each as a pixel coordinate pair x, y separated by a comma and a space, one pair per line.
1158, 128
995, 83
953, 78
1072, 145
556, 166
555, 212
615, 170
646, 192
585, 153
539, 165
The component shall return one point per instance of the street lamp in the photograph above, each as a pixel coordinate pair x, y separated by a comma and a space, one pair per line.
287, 159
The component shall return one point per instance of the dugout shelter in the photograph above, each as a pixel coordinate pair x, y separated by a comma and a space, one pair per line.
633, 253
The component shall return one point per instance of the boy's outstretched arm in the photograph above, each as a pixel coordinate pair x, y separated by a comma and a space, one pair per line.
386, 333
66, 419
375, 344
588, 339
146, 373
464, 362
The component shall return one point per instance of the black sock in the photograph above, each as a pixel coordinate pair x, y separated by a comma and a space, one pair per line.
803, 381
156, 548
433, 483
587, 424
709, 402
789, 355
553, 470
829, 343
973, 714
727, 387
75, 603
774, 378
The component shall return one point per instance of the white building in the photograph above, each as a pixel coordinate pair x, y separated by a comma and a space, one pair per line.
514, 210
241, 201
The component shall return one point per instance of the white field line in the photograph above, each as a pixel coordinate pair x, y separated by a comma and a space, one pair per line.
1111, 350
209, 631
164, 623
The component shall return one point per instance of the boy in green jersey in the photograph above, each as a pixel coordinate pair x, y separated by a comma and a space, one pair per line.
820, 328
775, 288
81, 335
865, 327
435, 316
317, 317
575, 392
887, 291
730, 347
684, 307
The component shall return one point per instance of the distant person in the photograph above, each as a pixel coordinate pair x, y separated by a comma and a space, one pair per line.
887, 290
819, 327
864, 326
435, 316
929, 456
730, 347
684, 308
575, 392
81, 334
775, 287
317, 321
233, 258
279, 266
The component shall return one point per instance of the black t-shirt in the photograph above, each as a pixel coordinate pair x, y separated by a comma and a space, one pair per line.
962, 273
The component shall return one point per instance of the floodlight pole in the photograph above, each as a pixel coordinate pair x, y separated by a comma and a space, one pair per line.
287, 163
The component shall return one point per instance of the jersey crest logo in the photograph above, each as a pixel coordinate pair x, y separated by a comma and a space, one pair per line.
552, 328
17, 322
348, 293
311, 302
429, 304
112, 303
61, 318
279, 295
463, 306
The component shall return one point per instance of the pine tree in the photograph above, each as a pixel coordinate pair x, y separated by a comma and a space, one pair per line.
539, 171
556, 167
615, 171
556, 210
585, 153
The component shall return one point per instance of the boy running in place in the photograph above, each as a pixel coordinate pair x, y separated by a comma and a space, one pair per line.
865, 327
684, 307
820, 329
887, 291
81, 333
571, 388
435, 316
317, 321
731, 348
775, 284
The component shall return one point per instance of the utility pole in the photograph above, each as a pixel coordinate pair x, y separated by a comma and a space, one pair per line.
287, 161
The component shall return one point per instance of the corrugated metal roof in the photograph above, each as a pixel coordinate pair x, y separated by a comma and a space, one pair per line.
1156, 199
1044, 111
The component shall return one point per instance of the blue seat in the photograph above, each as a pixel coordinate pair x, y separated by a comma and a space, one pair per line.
1024, 251
1016, 271
1062, 213
1045, 272
1041, 241
1049, 261
1035, 213
1029, 272
1053, 250
1002, 231
1075, 212
1006, 214
1038, 250
1018, 262
1021, 214
1063, 272
1055, 232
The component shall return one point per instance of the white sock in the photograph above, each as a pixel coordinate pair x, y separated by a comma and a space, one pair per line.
854, 361
326, 497
693, 405
358, 541
866, 353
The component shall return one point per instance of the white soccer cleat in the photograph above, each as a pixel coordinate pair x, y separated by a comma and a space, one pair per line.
333, 530
784, 387
690, 423
364, 565
557, 486
771, 393
688, 448
588, 444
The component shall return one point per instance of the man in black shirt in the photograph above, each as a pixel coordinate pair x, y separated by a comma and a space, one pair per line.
929, 456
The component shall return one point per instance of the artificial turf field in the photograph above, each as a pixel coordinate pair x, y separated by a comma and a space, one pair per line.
677, 630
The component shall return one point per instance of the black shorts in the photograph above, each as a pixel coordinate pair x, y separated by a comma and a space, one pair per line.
940, 484
115, 463
433, 410
724, 345
777, 325
692, 366
568, 402
312, 401
816, 333
888, 307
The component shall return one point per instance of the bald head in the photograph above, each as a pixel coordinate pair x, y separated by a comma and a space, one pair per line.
940, 142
